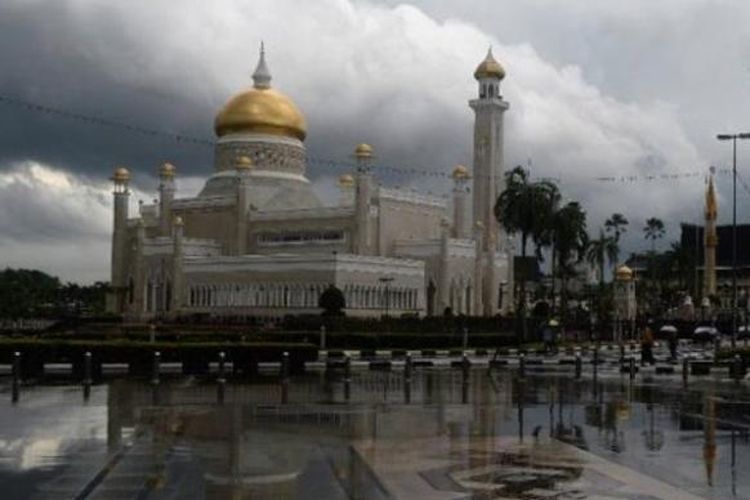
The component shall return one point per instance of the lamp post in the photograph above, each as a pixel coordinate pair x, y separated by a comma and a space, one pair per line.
733, 138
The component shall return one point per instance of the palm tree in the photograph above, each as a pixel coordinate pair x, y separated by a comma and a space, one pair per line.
616, 224
570, 240
653, 230
599, 250
525, 207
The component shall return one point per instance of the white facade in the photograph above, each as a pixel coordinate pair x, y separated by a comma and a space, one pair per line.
258, 242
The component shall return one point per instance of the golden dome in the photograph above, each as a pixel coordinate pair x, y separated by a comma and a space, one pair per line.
489, 68
624, 273
261, 110
121, 174
346, 180
460, 172
178, 221
243, 163
167, 170
363, 151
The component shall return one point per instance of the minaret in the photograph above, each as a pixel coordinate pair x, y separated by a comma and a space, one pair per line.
460, 197
346, 190
178, 293
363, 154
710, 240
243, 165
121, 193
489, 109
166, 196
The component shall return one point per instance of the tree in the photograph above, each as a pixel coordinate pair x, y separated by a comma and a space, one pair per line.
599, 250
570, 240
653, 230
526, 207
332, 301
616, 224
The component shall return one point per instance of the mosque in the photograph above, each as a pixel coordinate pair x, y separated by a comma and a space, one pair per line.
257, 242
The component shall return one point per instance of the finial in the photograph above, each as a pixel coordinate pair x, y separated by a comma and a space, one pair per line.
261, 76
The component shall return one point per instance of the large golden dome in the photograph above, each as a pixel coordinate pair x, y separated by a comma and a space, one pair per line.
261, 110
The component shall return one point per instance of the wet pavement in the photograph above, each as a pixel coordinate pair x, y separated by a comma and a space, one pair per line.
438, 435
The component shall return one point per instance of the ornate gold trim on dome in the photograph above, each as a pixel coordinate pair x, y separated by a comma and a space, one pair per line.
363, 150
167, 170
121, 174
460, 173
624, 273
489, 68
261, 110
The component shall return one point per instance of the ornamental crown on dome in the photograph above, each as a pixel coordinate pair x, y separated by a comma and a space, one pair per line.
363, 150
261, 110
489, 68
121, 174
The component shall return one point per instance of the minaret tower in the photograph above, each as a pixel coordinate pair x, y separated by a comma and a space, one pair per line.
710, 239
363, 155
166, 197
121, 193
489, 109
461, 225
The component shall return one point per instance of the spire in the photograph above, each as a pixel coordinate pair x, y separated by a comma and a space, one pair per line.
711, 203
261, 76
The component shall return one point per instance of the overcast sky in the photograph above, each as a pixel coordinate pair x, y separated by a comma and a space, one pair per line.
597, 88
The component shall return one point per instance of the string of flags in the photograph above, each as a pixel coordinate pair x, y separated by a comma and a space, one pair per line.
317, 162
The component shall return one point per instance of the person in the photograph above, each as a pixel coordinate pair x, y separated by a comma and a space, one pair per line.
647, 345
547, 337
673, 344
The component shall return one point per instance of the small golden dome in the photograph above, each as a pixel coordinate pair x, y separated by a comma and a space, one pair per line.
489, 68
167, 170
623, 273
460, 172
261, 111
244, 163
346, 180
478, 225
363, 151
121, 174
178, 221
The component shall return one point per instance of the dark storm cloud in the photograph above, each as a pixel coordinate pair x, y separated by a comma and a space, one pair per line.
396, 77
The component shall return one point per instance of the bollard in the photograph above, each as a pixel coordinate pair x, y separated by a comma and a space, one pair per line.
737, 368
156, 368
465, 367
347, 377
465, 341
685, 370
622, 353
152, 333
285, 365
631, 369
408, 368
322, 338
86, 375
522, 365
16, 376
579, 365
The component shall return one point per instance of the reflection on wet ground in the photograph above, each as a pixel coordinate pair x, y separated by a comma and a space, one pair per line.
437, 436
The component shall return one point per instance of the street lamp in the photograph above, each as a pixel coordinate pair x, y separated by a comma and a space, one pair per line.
733, 138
